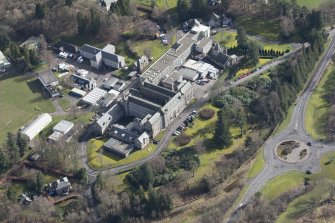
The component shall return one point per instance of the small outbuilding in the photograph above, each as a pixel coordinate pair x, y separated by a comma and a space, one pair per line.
94, 96
37, 126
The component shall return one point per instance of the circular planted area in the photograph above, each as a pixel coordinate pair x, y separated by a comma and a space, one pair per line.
292, 151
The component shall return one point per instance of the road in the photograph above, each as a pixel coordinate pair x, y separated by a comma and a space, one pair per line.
295, 131
92, 173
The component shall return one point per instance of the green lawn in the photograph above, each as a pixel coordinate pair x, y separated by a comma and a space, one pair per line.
257, 165
20, 102
161, 4
317, 109
321, 181
267, 28
226, 38
64, 103
99, 158
311, 3
203, 130
281, 184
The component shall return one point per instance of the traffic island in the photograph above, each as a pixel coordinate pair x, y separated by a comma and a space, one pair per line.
292, 151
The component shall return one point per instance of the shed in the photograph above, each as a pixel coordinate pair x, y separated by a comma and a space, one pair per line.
77, 92
94, 96
37, 125
63, 127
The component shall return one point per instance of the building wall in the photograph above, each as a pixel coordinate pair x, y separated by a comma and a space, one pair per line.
137, 110
117, 65
86, 54
172, 109
154, 125
110, 117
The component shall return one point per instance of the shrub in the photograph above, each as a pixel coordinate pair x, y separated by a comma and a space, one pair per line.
207, 113
182, 139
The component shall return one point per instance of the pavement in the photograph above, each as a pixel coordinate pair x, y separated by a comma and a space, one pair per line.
295, 131
274, 168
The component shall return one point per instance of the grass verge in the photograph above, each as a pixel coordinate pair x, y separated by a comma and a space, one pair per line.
257, 165
317, 109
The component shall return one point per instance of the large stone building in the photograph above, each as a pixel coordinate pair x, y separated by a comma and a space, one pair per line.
102, 57
155, 99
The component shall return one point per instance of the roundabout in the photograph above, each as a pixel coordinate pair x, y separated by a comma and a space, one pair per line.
292, 151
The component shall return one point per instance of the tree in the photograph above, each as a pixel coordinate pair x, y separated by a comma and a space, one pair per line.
11, 194
40, 11
33, 57
95, 22
12, 148
4, 39
39, 182
82, 21
222, 136
14, 51
4, 161
199, 8
21, 143
242, 40
183, 10
69, 2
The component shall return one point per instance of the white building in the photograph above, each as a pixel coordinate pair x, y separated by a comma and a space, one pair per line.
94, 96
37, 125
61, 129
4, 63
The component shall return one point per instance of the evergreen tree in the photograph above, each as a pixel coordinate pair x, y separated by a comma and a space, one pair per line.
69, 2
95, 22
12, 148
21, 142
40, 11
4, 161
33, 57
199, 8
4, 39
222, 136
82, 21
242, 40
39, 182
14, 51
183, 9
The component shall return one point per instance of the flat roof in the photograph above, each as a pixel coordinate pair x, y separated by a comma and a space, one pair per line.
167, 59
204, 42
173, 77
94, 96
78, 92
63, 126
118, 147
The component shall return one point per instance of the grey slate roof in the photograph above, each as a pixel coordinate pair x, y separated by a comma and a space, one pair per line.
90, 49
47, 77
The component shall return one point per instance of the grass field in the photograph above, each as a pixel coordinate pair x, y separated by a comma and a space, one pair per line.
311, 3
98, 158
64, 103
19, 103
281, 184
317, 109
228, 39
321, 182
260, 26
258, 164
203, 130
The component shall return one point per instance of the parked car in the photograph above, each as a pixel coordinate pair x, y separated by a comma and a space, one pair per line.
176, 133
81, 61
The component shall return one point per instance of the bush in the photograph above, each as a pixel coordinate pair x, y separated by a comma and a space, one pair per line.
182, 139
207, 113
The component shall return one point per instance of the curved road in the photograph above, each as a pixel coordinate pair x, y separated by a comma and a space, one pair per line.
295, 131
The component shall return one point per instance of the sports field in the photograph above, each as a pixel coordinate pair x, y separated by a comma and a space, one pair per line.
20, 102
